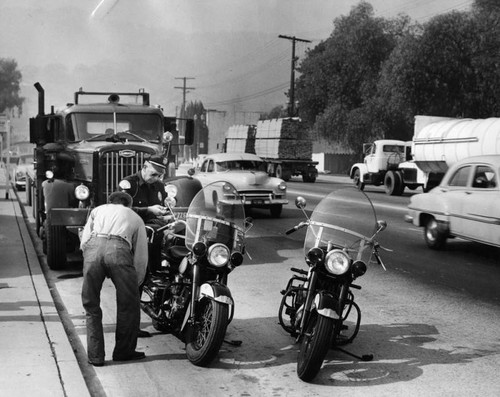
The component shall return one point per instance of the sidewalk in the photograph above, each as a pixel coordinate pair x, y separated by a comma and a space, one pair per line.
36, 356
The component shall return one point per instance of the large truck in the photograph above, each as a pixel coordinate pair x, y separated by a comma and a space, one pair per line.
438, 142
84, 150
284, 144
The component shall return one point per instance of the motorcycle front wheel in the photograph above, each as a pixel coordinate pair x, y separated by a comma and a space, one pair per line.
315, 344
204, 338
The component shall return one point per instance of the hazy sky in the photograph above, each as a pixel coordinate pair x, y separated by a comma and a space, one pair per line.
229, 49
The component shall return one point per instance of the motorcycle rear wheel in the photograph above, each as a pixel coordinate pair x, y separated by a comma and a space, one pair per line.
205, 337
314, 346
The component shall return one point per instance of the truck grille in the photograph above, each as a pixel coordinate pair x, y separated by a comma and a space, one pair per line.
116, 167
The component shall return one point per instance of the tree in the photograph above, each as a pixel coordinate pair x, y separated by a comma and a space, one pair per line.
339, 77
10, 80
275, 113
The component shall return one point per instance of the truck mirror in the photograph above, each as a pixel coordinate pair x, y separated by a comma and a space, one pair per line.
170, 124
189, 132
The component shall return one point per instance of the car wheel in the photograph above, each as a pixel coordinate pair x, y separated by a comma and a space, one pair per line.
276, 210
434, 238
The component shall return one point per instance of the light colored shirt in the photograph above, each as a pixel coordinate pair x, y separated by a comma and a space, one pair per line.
118, 220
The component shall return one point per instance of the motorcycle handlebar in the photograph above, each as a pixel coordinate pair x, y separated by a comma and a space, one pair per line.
295, 228
300, 271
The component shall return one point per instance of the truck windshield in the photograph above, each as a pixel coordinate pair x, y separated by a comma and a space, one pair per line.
393, 149
133, 127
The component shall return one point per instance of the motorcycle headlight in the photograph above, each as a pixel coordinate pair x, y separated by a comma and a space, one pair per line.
337, 262
82, 192
171, 190
218, 255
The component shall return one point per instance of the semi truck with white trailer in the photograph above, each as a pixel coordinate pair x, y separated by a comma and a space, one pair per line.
438, 142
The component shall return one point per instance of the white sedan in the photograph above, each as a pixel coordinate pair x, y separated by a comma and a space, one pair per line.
465, 204
248, 173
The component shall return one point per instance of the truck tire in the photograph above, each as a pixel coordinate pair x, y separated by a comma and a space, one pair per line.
279, 171
357, 180
56, 246
393, 183
308, 178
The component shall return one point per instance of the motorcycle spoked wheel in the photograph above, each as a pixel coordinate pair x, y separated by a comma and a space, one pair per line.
347, 328
314, 346
204, 338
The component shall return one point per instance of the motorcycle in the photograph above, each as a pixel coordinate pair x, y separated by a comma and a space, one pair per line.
318, 306
189, 296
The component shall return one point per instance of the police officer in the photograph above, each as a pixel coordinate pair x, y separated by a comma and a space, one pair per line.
147, 190
148, 195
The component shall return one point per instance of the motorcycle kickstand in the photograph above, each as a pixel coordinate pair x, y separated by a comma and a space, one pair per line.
364, 357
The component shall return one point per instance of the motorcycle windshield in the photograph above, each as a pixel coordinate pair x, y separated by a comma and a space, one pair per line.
216, 215
345, 219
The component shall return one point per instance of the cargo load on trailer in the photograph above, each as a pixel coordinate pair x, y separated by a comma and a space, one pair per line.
284, 144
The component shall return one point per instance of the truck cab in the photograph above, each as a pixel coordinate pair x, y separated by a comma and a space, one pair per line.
380, 157
84, 150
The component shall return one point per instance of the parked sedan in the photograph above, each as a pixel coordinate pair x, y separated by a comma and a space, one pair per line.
248, 173
465, 204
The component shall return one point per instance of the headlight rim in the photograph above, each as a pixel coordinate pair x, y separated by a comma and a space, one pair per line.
335, 270
215, 250
82, 192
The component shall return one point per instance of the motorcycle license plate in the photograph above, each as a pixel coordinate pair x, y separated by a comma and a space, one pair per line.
180, 215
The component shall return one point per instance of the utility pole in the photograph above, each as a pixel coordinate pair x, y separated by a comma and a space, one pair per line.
291, 108
183, 108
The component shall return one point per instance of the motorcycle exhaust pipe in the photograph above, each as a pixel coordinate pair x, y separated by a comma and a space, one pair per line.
146, 308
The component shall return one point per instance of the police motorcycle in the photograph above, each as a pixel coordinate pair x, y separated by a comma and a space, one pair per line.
318, 307
189, 296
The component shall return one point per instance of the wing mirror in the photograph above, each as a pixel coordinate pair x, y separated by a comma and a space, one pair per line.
300, 202
381, 226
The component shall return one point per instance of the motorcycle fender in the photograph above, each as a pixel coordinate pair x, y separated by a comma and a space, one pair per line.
216, 291
325, 305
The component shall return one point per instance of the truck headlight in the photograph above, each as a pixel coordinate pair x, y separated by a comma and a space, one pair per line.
82, 192
171, 190
218, 255
337, 262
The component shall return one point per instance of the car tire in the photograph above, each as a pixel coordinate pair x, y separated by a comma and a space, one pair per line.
434, 238
276, 210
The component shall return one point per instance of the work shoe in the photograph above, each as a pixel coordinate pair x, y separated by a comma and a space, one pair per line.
129, 357
143, 334
96, 363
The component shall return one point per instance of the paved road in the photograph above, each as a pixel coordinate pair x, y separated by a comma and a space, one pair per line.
426, 340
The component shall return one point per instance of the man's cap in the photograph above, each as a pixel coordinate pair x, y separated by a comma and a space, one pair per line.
159, 162
120, 198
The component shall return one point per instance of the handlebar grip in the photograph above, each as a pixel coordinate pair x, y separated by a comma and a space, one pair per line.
290, 231
300, 271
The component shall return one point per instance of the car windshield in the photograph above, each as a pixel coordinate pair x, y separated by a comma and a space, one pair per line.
241, 165
133, 127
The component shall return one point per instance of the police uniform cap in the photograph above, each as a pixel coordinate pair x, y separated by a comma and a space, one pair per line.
120, 198
158, 162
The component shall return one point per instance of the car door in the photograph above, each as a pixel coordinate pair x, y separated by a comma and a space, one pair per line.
454, 193
481, 206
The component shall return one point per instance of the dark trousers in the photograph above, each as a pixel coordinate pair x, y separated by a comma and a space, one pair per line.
110, 257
